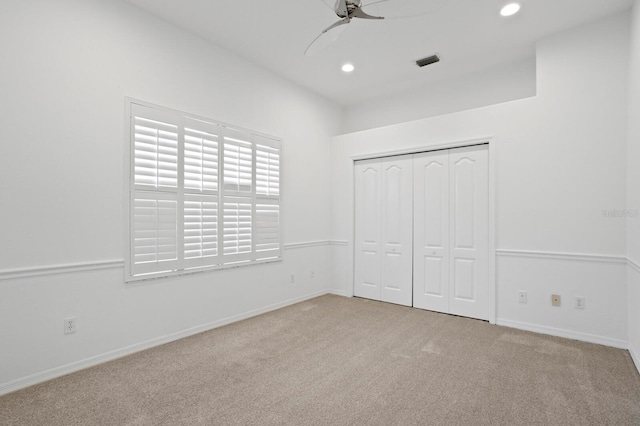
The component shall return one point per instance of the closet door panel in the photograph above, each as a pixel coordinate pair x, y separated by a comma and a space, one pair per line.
431, 231
397, 214
468, 175
422, 231
368, 222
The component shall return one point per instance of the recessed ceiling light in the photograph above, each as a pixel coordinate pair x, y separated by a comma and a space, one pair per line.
510, 9
348, 68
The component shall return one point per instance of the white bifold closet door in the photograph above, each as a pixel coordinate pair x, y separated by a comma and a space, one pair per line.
384, 229
451, 232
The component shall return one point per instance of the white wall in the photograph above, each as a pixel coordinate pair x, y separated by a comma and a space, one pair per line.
633, 187
66, 69
560, 161
508, 82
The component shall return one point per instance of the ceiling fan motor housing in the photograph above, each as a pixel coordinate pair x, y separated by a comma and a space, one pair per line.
352, 6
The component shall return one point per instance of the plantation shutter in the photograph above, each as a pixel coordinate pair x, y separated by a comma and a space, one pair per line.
238, 161
201, 182
156, 152
154, 242
155, 233
201, 159
237, 229
267, 206
202, 195
237, 196
267, 232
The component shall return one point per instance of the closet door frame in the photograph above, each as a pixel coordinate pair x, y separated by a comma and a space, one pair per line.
492, 150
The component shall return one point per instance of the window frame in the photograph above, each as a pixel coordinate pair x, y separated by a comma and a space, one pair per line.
221, 194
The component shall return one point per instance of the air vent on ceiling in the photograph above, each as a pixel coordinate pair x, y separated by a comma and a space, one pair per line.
428, 61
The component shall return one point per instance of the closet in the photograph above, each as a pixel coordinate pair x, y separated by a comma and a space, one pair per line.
421, 230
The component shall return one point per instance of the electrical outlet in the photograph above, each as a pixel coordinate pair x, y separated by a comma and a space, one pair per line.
293, 277
580, 302
522, 296
70, 325
555, 300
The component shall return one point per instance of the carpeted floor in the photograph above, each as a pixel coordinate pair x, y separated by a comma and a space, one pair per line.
333, 361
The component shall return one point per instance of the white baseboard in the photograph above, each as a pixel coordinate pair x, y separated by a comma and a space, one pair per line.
53, 373
568, 334
73, 367
634, 356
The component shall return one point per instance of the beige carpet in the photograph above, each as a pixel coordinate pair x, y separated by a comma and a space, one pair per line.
335, 360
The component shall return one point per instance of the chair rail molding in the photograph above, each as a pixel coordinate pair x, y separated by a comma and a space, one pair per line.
68, 268
535, 254
38, 271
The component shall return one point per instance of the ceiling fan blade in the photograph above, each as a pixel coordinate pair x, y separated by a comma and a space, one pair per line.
393, 9
326, 37
359, 13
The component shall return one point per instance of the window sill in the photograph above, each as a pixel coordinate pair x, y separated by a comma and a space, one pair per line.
198, 270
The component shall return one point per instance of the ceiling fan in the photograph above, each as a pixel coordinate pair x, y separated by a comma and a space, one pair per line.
347, 10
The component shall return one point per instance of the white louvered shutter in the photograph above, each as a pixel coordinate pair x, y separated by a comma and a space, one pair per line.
267, 169
154, 242
237, 229
267, 206
267, 230
201, 194
237, 196
156, 153
200, 231
201, 159
238, 161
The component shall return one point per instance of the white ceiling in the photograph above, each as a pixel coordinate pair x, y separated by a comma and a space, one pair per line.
469, 35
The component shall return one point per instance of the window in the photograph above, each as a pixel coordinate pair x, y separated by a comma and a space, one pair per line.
202, 194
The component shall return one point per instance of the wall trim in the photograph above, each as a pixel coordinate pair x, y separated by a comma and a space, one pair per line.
68, 268
291, 246
417, 150
561, 256
337, 292
73, 367
342, 243
633, 265
568, 334
9, 274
